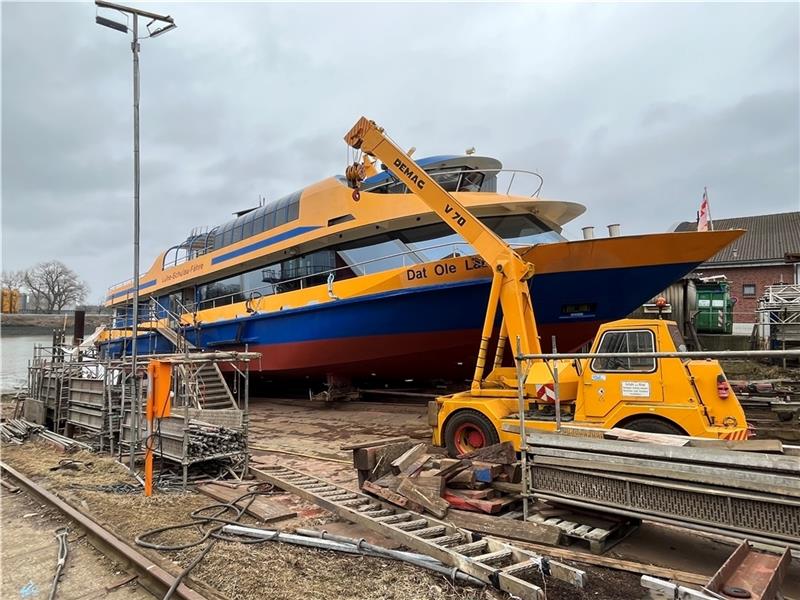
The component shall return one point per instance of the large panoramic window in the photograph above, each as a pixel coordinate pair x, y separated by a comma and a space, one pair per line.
370, 255
271, 215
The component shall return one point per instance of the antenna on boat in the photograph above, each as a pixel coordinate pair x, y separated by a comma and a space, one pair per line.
470, 151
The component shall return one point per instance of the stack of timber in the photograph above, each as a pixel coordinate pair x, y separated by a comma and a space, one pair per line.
747, 489
470, 492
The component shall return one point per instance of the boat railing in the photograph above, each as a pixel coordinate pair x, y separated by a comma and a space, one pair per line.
253, 295
504, 178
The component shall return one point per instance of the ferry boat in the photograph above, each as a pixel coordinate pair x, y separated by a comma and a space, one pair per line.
327, 287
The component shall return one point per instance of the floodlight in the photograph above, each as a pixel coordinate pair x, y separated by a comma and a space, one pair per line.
111, 24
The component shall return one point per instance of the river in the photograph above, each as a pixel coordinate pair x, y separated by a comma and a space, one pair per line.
15, 352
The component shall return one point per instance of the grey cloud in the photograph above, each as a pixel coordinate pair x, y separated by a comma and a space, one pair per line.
629, 109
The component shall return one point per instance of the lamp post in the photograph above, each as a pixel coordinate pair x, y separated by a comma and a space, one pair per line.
166, 23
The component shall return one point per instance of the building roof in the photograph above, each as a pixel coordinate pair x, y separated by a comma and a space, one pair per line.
769, 238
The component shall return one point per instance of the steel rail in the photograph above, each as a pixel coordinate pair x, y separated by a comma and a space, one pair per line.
719, 354
151, 576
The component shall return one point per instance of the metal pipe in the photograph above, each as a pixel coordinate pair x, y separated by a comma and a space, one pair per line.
556, 388
359, 547
720, 354
523, 442
136, 175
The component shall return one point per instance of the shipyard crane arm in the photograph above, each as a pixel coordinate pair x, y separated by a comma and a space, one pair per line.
510, 272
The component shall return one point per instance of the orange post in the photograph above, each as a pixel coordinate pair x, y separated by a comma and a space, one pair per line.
158, 406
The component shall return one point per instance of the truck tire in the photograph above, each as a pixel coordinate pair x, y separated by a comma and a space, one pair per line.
468, 430
650, 425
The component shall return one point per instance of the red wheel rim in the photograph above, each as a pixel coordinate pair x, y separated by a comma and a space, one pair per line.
469, 437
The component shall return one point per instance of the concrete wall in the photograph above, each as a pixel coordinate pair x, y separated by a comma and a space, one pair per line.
745, 309
30, 324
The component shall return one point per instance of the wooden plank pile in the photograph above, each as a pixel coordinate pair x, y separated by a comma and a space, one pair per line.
470, 491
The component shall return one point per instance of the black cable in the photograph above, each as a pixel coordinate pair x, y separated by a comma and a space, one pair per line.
213, 533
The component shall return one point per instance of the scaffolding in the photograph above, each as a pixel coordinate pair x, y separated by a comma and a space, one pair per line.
74, 392
779, 317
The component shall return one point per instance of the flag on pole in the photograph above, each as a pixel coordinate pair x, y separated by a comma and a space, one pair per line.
704, 217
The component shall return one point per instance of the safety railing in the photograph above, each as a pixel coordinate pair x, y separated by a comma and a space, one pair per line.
523, 363
326, 273
464, 185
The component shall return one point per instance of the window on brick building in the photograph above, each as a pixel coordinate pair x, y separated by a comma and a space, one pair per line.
749, 289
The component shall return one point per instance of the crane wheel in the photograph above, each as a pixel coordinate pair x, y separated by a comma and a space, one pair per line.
650, 425
468, 430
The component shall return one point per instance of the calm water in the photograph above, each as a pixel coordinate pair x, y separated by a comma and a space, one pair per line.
15, 352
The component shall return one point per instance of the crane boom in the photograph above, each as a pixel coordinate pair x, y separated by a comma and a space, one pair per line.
510, 271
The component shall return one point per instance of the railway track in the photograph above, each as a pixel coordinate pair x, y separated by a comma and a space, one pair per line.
150, 575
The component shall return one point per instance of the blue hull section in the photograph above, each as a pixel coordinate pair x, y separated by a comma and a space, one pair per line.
562, 302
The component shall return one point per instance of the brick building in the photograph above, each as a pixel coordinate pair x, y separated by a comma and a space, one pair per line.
768, 253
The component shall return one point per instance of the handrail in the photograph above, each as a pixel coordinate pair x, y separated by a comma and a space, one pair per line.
717, 354
358, 264
463, 171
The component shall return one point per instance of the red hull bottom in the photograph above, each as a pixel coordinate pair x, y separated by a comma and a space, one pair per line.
447, 355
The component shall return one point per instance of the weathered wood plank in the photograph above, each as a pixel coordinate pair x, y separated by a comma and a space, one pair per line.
506, 528
407, 458
390, 496
429, 497
262, 508
502, 453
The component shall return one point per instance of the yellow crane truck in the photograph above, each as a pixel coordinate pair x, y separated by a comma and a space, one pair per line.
618, 389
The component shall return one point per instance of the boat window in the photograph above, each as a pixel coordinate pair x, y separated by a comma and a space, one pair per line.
452, 179
370, 255
379, 256
447, 177
274, 214
471, 181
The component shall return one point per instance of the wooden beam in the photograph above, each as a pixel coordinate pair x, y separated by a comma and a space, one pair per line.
502, 453
408, 457
427, 496
505, 528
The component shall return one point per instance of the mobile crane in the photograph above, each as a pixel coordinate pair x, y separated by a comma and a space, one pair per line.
664, 395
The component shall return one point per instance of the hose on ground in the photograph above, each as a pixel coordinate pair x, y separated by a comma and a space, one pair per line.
214, 523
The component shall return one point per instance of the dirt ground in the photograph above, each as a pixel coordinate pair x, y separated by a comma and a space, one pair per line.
309, 438
30, 552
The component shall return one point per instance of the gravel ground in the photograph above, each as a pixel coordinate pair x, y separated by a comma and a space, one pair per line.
236, 570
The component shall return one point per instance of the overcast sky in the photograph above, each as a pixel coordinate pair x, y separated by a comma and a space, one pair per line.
628, 109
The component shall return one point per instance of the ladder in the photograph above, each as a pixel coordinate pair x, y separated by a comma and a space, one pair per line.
496, 563
205, 387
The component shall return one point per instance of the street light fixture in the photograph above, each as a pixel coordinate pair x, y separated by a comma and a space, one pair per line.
169, 24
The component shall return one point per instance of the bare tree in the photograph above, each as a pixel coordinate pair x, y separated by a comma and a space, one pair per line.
53, 285
12, 280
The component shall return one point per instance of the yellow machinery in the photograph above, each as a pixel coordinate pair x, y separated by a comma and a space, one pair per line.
664, 395
10, 301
